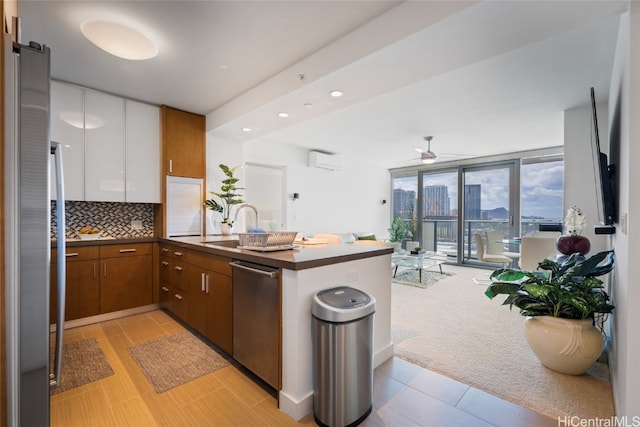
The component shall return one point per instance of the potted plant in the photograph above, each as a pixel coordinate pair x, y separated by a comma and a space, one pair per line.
227, 197
397, 232
563, 300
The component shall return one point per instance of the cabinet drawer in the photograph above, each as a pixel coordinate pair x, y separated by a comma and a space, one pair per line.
118, 251
216, 263
165, 268
78, 253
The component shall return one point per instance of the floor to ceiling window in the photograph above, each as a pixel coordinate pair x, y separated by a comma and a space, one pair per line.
541, 187
439, 212
444, 207
489, 202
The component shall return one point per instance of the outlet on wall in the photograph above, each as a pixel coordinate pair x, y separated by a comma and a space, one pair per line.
136, 224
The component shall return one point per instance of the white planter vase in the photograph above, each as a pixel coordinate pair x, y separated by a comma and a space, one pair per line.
225, 229
396, 246
565, 345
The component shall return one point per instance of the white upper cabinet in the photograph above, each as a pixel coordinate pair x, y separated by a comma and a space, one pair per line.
142, 153
104, 147
111, 146
67, 128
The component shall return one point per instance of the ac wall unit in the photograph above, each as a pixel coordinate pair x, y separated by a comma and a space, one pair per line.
324, 161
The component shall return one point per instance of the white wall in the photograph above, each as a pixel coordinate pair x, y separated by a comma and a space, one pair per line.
579, 177
624, 101
348, 200
220, 152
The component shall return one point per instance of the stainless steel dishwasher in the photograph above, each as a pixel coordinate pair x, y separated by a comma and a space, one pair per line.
256, 320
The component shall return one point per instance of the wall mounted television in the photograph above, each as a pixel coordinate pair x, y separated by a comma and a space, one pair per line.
604, 177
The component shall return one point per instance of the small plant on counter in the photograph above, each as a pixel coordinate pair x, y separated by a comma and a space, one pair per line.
228, 196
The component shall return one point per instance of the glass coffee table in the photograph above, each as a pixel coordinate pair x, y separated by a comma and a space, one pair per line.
419, 262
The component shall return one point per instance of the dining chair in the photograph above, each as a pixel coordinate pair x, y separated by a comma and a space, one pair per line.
535, 249
489, 258
495, 244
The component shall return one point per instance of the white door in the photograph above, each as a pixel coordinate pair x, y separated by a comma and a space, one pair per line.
266, 190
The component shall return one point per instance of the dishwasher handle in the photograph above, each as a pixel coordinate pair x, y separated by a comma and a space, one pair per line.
270, 273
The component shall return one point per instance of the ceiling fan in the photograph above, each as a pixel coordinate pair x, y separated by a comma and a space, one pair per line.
427, 156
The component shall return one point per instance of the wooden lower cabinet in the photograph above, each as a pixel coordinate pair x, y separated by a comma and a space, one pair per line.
125, 276
102, 279
174, 299
219, 327
83, 283
203, 283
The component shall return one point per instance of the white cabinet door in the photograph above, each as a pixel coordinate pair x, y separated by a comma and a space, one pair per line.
67, 122
142, 153
104, 147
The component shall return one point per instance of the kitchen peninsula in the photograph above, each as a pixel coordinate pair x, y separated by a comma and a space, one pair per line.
303, 271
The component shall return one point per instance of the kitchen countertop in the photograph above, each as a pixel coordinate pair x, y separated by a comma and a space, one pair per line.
105, 241
300, 258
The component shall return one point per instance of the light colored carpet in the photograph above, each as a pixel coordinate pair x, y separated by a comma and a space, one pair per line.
452, 328
83, 362
176, 359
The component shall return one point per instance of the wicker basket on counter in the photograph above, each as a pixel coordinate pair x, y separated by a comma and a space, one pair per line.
267, 241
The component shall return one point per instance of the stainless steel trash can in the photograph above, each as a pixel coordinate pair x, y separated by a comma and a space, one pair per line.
342, 356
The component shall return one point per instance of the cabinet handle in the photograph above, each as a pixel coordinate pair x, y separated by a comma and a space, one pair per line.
165, 263
178, 268
70, 254
165, 289
177, 253
94, 270
202, 281
207, 284
178, 297
165, 250
123, 251
171, 166
105, 269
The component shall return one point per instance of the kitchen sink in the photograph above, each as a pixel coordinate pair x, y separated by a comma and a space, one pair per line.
223, 243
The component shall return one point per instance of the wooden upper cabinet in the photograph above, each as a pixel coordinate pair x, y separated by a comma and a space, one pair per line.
183, 140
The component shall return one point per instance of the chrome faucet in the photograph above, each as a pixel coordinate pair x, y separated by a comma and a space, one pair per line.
246, 205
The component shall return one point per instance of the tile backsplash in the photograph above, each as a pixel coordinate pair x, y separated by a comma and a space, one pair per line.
112, 218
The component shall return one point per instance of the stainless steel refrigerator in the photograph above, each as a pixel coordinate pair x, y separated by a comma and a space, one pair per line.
28, 236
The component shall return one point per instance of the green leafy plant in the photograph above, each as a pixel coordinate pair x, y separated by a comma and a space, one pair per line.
569, 289
228, 196
398, 230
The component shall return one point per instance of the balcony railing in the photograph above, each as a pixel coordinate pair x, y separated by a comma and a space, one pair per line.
441, 235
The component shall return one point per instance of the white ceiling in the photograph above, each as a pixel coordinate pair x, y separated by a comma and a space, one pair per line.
483, 78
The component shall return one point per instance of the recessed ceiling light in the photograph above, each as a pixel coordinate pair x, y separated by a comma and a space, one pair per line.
336, 93
308, 105
283, 115
119, 40
246, 129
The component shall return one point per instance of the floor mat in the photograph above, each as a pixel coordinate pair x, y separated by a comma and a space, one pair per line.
176, 359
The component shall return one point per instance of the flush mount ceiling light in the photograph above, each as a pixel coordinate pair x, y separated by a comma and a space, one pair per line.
246, 129
283, 115
119, 40
336, 93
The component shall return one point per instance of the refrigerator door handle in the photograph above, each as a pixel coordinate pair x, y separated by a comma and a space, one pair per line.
55, 379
